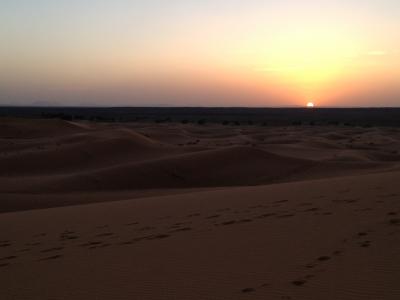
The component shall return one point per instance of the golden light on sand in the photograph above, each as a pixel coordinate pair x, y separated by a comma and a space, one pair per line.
310, 105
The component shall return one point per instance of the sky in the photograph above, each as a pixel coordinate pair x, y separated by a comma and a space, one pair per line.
200, 52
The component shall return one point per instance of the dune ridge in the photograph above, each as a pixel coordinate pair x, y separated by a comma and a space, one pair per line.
181, 211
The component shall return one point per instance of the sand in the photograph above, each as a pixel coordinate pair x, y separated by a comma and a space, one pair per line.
172, 211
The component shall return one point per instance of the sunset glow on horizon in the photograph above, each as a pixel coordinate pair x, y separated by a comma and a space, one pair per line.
200, 53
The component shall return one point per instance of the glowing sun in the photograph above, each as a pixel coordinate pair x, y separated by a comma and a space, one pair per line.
310, 104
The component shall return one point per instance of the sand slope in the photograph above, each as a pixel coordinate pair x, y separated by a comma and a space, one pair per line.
206, 212
54, 156
317, 239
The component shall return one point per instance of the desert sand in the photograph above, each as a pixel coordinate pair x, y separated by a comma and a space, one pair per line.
183, 211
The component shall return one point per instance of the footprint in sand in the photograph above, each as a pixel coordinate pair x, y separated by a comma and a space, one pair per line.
4, 244
265, 216
4, 264
223, 209
90, 244
231, 222
102, 226
312, 209
33, 244
158, 236
306, 204
68, 235
132, 224
193, 215
52, 249
213, 217
299, 282
8, 257
285, 216
105, 234
248, 290
324, 258
182, 229
24, 250
394, 221
365, 244
281, 201
51, 257
147, 228
40, 235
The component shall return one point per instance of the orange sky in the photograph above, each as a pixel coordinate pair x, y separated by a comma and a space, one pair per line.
200, 53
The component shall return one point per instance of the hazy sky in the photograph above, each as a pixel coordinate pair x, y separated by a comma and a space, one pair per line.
200, 52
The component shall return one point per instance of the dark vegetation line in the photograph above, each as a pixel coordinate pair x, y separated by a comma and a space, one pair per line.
235, 116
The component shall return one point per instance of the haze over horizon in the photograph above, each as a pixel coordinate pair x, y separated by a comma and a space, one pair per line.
200, 53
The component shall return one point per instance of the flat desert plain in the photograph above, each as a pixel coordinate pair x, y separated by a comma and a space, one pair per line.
183, 211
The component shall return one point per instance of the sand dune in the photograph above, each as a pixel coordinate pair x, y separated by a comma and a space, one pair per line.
206, 212
321, 239
211, 168
28, 129
89, 157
